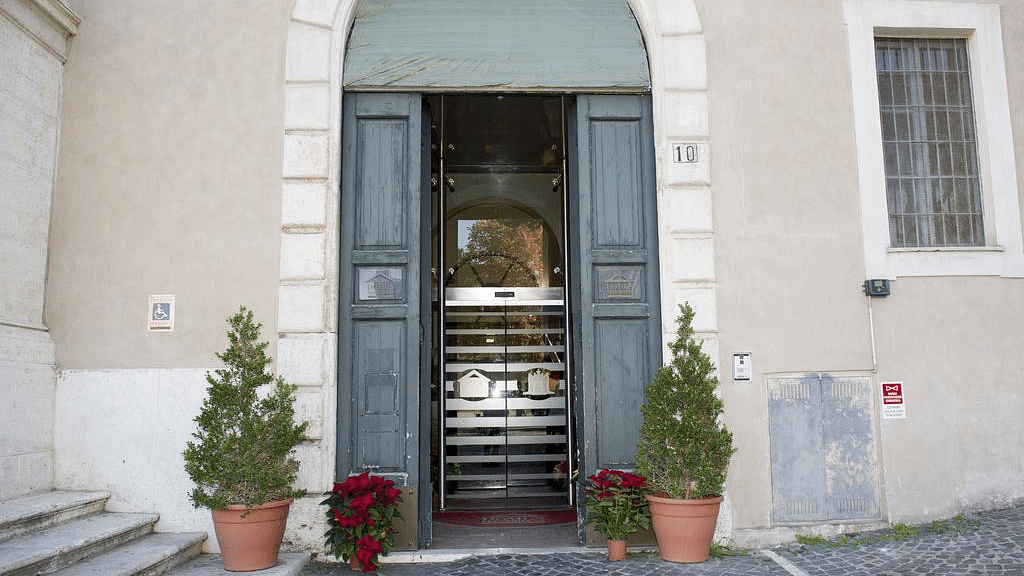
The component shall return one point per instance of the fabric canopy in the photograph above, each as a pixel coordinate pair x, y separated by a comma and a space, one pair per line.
437, 45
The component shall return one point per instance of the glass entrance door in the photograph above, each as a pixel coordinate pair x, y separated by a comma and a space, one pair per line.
505, 409
503, 416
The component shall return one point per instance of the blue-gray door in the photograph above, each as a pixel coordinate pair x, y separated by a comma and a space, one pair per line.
385, 279
384, 240
614, 242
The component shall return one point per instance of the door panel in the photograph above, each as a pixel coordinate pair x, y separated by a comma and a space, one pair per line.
618, 344
383, 182
616, 183
616, 307
381, 275
380, 419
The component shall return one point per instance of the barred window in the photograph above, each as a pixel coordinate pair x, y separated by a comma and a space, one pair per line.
929, 143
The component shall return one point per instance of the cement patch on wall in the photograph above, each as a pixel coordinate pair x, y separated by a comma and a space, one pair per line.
26, 408
124, 431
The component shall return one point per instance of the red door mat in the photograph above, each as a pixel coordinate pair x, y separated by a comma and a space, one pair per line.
507, 518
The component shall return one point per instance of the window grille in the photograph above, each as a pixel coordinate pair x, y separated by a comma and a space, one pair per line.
929, 142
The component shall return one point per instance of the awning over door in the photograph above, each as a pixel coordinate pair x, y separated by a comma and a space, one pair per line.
435, 45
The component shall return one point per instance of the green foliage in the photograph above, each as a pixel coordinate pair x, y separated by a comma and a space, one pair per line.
243, 442
810, 540
720, 549
684, 447
897, 532
902, 531
958, 523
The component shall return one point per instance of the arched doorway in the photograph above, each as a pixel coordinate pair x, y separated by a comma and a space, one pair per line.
313, 153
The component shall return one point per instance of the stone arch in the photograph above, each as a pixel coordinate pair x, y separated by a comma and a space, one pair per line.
308, 286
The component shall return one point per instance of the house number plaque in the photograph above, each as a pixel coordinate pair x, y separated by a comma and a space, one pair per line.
685, 153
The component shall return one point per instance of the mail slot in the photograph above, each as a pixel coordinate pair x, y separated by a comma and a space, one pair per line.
504, 294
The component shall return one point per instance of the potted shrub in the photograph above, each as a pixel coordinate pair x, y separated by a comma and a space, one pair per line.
617, 508
361, 519
684, 448
241, 457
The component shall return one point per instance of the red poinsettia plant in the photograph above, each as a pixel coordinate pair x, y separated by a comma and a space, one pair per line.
361, 517
616, 505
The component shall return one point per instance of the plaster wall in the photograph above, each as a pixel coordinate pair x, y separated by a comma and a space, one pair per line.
149, 413
953, 343
33, 47
168, 181
790, 267
175, 178
200, 157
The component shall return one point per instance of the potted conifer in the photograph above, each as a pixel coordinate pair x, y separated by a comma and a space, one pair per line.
241, 460
684, 448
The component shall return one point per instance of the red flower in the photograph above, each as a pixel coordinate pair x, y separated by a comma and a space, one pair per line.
633, 481
361, 512
368, 548
360, 482
615, 503
361, 503
368, 543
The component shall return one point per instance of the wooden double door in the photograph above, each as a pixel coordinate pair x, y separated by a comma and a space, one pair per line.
499, 303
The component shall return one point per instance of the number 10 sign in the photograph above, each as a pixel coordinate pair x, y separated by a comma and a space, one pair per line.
685, 153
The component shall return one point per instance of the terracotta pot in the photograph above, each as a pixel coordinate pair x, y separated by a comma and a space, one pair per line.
251, 541
684, 528
616, 550
356, 565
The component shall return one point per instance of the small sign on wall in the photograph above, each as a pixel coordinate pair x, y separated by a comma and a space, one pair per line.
161, 313
893, 402
741, 367
685, 153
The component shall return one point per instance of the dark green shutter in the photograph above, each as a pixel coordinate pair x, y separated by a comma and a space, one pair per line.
380, 301
616, 312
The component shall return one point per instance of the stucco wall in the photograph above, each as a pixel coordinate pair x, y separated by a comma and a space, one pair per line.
168, 183
200, 157
168, 180
790, 265
33, 47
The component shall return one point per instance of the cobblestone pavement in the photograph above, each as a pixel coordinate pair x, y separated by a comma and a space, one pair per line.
986, 544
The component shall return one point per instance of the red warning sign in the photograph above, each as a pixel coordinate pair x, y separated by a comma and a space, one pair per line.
892, 392
893, 405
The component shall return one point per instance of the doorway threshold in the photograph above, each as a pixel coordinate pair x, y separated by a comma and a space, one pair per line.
439, 556
451, 537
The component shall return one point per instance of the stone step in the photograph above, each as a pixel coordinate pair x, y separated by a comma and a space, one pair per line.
288, 564
146, 556
37, 511
55, 547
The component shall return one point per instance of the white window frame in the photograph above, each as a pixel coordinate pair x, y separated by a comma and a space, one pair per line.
1003, 253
